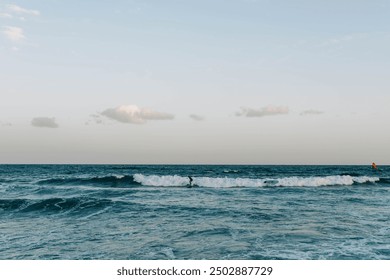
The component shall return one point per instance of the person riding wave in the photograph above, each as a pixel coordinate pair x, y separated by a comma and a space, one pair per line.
189, 177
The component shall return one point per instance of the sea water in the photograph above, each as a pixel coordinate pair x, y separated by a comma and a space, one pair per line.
230, 212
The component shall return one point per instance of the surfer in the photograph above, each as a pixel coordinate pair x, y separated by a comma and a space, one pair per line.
373, 165
189, 177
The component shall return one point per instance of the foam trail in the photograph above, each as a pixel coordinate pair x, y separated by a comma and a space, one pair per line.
225, 182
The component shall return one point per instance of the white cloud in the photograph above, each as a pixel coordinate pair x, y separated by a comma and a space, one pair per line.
134, 114
5, 15
311, 112
44, 122
13, 33
196, 117
337, 40
265, 111
19, 10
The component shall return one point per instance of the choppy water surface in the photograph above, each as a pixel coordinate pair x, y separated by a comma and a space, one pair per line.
231, 212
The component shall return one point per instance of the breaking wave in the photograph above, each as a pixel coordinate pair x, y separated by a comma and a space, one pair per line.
212, 182
225, 182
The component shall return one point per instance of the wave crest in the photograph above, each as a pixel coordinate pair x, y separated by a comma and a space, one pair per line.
161, 181
225, 182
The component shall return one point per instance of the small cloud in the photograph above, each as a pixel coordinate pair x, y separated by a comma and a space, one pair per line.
134, 114
5, 15
44, 122
265, 111
311, 112
13, 33
337, 40
196, 117
19, 10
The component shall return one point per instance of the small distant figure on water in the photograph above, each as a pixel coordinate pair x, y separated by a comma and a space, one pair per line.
189, 177
373, 165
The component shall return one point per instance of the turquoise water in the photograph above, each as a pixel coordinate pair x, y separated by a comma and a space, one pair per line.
230, 212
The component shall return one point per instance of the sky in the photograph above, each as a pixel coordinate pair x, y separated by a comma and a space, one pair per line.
195, 81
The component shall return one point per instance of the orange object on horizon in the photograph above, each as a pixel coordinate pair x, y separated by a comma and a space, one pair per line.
374, 166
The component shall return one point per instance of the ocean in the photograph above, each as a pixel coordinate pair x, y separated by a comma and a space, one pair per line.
149, 212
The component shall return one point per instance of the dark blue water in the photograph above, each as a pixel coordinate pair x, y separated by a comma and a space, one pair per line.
230, 212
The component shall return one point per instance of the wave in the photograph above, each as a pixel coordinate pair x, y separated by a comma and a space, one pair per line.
54, 204
213, 182
225, 182
6, 181
231, 171
161, 181
112, 181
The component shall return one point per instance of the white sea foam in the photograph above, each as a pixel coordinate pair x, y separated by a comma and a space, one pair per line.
161, 181
337, 180
226, 182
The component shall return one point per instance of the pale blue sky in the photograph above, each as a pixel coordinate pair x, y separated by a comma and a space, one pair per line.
234, 81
